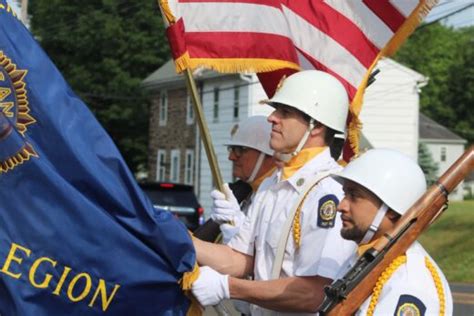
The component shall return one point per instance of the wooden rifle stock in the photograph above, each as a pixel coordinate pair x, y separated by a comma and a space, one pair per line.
345, 296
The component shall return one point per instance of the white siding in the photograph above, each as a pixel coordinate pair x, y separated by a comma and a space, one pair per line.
453, 151
390, 110
257, 94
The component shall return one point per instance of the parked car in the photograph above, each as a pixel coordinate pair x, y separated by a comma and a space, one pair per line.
178, 199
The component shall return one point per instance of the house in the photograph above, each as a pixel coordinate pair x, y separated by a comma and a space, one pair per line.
389, 116
469, 186
175, 151
445, 147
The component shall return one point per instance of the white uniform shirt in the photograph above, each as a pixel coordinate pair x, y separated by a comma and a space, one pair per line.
322, 251
411, 289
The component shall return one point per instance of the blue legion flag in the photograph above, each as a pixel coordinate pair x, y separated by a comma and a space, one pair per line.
77, 235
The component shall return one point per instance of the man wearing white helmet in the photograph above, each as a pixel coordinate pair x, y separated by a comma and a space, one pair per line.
292, 247
252, 161
380, 186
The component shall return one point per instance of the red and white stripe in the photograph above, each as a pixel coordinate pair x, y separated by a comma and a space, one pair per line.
344, 37
246, 29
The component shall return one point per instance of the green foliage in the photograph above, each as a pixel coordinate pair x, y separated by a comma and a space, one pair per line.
104, 48
427, 164
449, 241
446, 56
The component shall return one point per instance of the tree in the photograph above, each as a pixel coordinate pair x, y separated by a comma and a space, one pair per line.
104, 50
444, 55
427, 164
461, 87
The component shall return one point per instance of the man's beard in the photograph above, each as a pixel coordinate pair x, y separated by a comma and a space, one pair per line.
355, 233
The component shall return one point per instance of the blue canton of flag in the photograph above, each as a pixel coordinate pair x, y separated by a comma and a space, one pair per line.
77, 235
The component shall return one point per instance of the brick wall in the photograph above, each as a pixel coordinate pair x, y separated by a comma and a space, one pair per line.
176, 134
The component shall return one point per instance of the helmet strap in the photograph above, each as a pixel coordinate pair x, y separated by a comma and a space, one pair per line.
257, 167
287, 157
375, 224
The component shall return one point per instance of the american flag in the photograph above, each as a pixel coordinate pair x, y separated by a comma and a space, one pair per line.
276, 37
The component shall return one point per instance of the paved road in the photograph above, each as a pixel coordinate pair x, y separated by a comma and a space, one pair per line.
463, 296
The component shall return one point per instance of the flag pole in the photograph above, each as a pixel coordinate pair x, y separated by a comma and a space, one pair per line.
203, 129
170, 20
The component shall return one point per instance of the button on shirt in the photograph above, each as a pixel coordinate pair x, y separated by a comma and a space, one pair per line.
411, 289
322, 250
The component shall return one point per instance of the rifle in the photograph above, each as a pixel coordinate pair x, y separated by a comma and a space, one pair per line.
210, 231
345, 295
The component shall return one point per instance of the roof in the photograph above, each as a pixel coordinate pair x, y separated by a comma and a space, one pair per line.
430, 130
166, 75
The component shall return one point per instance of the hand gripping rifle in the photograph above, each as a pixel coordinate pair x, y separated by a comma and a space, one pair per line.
345, 295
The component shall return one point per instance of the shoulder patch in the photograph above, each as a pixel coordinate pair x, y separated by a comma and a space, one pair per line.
327, 211
409, 305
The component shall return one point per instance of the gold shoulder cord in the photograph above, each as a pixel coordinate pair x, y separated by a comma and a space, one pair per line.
385, 276
438, 285
296, 220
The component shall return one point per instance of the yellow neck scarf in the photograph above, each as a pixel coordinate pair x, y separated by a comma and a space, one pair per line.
256, 183
299, 161
363, 248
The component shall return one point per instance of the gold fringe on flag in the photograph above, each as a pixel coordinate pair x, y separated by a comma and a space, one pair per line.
233, 65
183, 62
165, 9
408, 27
186, 283
392, 46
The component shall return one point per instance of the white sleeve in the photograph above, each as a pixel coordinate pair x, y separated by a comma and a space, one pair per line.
322, 251
244, 240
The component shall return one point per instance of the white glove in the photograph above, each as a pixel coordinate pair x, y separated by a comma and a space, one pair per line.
211, 287
226, 210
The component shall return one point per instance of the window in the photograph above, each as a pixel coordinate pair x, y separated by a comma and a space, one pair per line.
216, 104
236, 102
161, 165
189, 111
189, 167
443, 154
163, 108
174, 171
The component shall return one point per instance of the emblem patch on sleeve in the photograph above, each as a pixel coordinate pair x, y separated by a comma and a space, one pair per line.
327, 211
409, 305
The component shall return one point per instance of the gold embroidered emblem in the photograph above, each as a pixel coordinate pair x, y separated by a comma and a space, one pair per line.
15, 108
327, 211
408, 309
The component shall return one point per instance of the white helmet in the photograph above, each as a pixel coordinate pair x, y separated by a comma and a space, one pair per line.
317, 94
392, 176
254, 132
